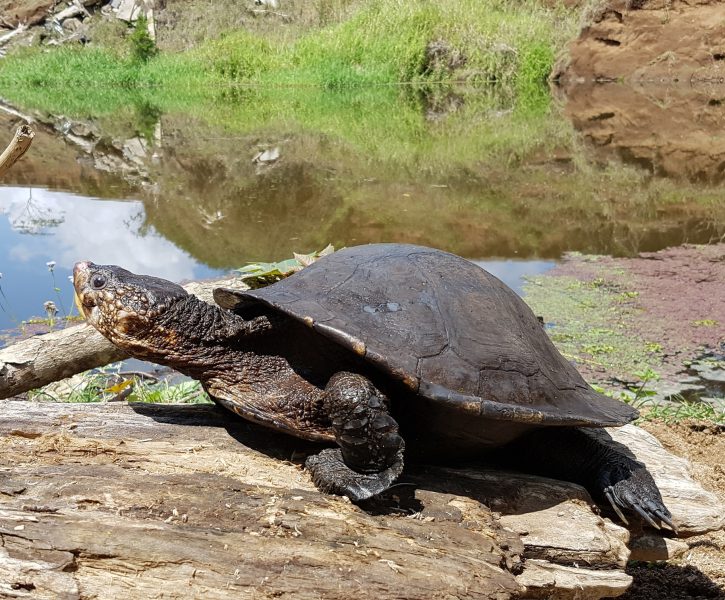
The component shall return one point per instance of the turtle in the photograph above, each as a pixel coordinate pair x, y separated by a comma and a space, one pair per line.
382, 352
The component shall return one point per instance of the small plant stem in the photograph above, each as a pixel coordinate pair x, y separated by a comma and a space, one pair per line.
56, 289
8, 311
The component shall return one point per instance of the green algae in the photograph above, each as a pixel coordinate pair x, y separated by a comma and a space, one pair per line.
591, 323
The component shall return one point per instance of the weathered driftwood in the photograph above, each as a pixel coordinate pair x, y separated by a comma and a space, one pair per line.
40, 360
71, 11
6, 37
188, 501
18, 146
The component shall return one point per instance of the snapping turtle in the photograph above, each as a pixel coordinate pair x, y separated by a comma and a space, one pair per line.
381, 349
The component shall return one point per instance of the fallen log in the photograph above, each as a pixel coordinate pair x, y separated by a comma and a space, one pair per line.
18, 146
6, 37
40, 360
73, 10
110, 500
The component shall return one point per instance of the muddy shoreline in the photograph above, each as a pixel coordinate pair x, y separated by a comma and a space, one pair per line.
656, 319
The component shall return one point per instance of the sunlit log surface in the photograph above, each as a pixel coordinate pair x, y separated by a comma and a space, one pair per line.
180, 501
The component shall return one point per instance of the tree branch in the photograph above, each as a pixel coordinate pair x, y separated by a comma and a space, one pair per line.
18, 146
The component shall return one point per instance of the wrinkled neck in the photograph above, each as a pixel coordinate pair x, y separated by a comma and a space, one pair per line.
193, 336
197, 321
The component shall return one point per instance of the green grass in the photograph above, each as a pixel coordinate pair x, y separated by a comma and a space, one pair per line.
186, 392
109, 384
676, 412
386, 124
384, 42
235, 81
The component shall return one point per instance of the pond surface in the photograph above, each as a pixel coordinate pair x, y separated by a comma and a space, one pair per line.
43, 233
194, 191
40, 229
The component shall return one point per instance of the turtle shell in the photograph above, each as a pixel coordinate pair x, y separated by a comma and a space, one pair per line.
446, 328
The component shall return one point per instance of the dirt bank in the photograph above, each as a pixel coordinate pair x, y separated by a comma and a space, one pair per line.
648, 41
646, 85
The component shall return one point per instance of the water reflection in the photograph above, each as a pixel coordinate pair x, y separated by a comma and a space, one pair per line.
38, 226
514, 272
214, 181
673, 130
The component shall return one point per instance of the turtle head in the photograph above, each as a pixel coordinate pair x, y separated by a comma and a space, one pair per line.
126, 308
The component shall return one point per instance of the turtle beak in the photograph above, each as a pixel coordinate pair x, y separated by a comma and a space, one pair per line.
80, 273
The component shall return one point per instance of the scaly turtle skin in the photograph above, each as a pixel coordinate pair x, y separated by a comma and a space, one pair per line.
374, 345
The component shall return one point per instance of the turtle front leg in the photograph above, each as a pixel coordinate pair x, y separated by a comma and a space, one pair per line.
590, 457
370, 456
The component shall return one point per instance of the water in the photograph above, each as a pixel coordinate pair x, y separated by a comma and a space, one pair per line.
39, 226
195, 192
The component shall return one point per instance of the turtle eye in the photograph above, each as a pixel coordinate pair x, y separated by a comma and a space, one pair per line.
98, 282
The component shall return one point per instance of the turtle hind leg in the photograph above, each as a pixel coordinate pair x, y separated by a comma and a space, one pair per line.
370, 456
590, 457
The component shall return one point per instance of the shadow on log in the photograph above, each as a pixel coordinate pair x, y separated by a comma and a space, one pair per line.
106, 501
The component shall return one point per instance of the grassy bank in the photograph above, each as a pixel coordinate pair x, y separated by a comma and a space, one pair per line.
383, 42
350, 67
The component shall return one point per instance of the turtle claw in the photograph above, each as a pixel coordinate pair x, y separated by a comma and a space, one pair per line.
632, 488
666, 518
641, 512
331, 475
608, 492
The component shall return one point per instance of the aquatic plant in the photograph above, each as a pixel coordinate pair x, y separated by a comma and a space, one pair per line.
682, 410
112, 383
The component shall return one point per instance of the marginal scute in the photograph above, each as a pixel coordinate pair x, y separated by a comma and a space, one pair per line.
445, 328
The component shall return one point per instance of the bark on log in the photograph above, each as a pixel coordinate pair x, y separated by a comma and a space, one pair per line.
114, 501
40, 360
18, 146
138, 501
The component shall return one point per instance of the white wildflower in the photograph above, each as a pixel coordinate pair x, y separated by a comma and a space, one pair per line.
50, 308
